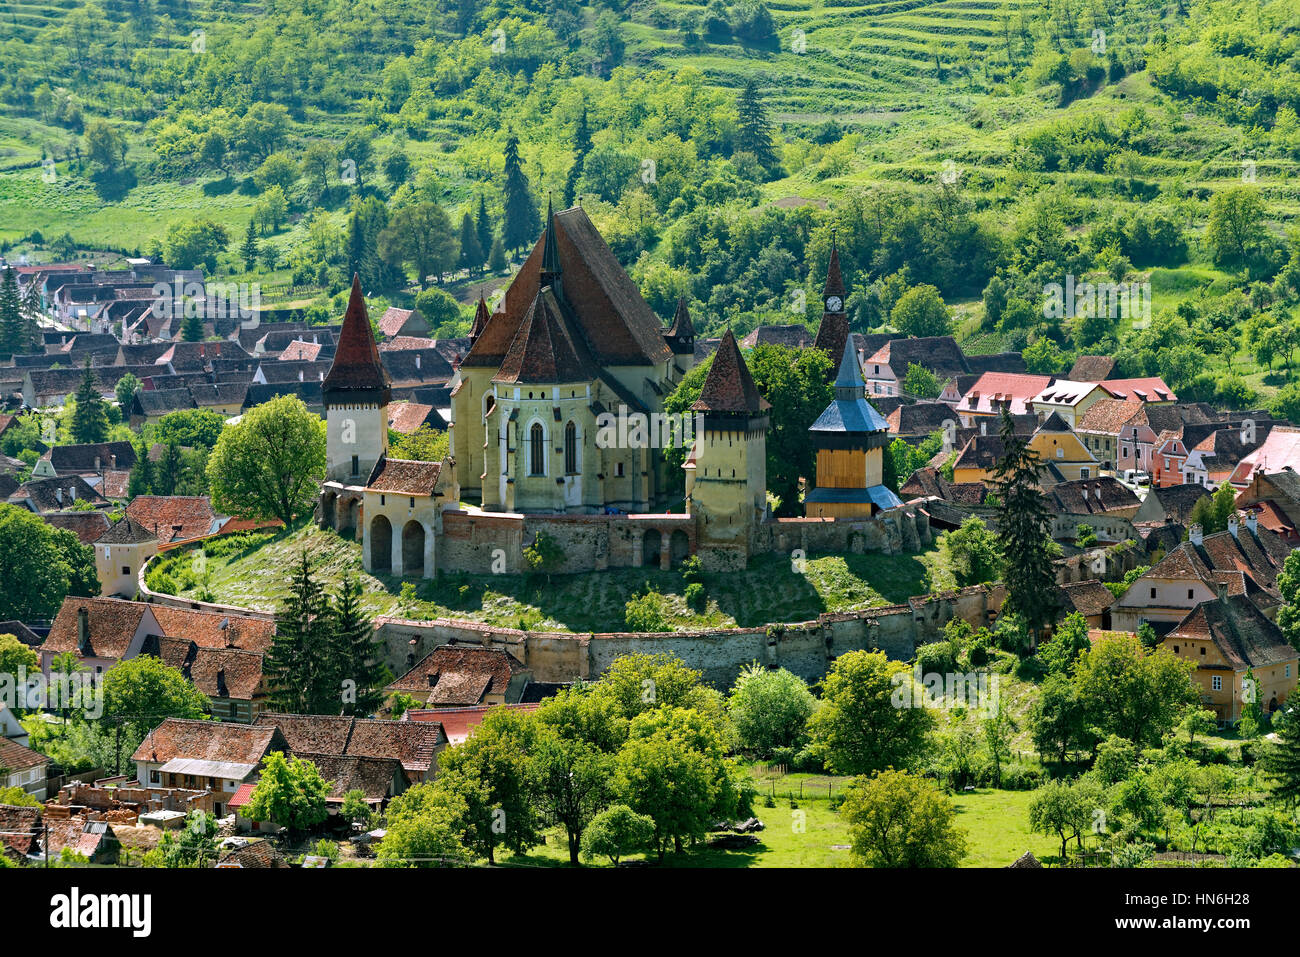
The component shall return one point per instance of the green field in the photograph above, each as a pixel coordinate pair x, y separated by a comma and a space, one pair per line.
771, 590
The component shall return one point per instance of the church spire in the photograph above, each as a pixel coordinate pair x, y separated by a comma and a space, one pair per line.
849, 385
833, 333
480, 319
834, 283
550, 250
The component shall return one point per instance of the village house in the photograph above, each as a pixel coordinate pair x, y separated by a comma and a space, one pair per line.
917, 421
1232, 642
120, 553
1150, 390
402, 322
1170, 503
1274, 499
414, 748
1066, 399
1100, 427
464, 676
1091, 599
996, 392
21, 767
56, 494
1279, 451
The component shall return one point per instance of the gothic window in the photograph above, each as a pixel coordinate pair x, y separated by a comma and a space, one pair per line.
570, 449
536, 451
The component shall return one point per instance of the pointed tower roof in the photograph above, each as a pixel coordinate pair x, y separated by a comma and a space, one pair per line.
849, 383
550, 250
834, 284
729, 387
682, 327
480, 319
545, 350
357, 367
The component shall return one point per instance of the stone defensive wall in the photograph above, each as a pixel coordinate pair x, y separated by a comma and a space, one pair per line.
807, 648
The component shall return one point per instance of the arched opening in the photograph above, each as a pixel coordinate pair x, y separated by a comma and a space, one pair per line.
413, 550
328, 509
381, 545
679, 546
351, 518
651, 544
536, 450
570, 449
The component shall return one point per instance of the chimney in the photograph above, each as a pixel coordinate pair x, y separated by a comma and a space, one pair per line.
83, 630
72, 493
1194, 534
58, 496
1252, 519
1223, 592
112, 461
1232, 524
417, 362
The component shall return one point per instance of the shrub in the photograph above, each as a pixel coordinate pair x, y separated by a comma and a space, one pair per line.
695, 596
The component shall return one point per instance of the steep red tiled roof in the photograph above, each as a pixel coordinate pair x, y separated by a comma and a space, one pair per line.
729, 387
176, 518
460, 675
209, 741
20, 831
111, 623
457, 723
204, 628
407, 417
1149, 389
414, 746
546, 349
391, 322
1107, 416
16, 757
1241, 632
87, 526
1091, 368
404, 477
345, 772
301, 352
356, 366
1088, 598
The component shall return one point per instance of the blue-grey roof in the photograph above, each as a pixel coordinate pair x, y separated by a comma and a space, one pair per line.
850, 415
879, 495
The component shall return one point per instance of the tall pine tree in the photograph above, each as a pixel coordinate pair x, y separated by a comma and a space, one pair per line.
581, 147
1025, 528
755, 134
248, 252
90, 414
142, 479
472, 255
521, 215
1281, 759
358, 655
13, 327
299, 668
483, 226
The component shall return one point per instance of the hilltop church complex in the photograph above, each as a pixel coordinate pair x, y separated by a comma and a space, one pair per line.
573, 347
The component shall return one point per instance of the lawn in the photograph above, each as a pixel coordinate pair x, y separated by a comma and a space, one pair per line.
773, 589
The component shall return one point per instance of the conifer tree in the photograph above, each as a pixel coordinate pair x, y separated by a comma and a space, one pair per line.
170, 468
521, 215
249, 251
192, 325
497, 259
581, 147
13, 327
755, 134
299, 667
1024, 527
89, 417
358, 655
472, 255
141, 480
483, 226
1281, 758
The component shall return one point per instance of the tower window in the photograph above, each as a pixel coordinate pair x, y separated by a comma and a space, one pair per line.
356, 465
570, 448
537, 451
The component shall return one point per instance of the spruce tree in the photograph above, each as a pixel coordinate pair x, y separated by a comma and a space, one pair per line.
192, 324
1025, 527
497, 258
359, 656
521, 216
483, 226
581, 147
141, 480
1281, 759
472, 255
299, 669
89, 416
249, 251
755, 134
13, 331
170, 469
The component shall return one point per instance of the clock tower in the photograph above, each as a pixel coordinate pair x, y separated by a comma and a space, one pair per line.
833, 332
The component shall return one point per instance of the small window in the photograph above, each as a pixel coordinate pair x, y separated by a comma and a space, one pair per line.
1175, 649
1153, 593
412, 501
1083, 473
154, 776
618, 470
1202, 652
356, 465
1190, 593
126, 569
1216, 683
1288, 671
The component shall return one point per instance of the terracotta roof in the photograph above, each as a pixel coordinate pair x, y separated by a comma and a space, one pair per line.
391, 322
414, 746
209, 741
301, 352
55, 494
115, 484
373, 776
994, 391
93, 457
404, 477
460, 675
1149, 389
176, 518
20, 831
407, 417
618, 326
1241, 632
406, 343
89, 527
729, 387
457, 723
209, 629
111, 625
1107, 416
793, 336
1089, 598
546, 349
1091, 368
16, 757
357, 366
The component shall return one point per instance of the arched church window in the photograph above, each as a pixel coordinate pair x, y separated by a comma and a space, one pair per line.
537, 451
570, 448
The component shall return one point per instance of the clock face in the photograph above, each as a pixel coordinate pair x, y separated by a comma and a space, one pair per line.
833, 304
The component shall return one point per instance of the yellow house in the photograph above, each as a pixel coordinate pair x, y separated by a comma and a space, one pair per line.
1231, 641
1062, 456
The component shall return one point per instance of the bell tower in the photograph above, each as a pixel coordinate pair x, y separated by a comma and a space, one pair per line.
833, 332
356, 393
